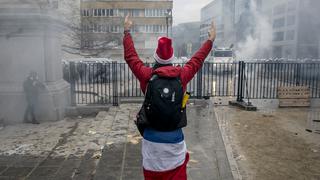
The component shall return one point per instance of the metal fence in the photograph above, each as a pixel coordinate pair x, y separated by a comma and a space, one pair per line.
263, 79
106, 83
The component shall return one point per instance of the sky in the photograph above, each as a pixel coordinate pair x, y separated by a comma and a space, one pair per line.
187, 10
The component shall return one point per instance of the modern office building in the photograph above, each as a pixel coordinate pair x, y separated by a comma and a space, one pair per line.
233, 18
102, 25
222, 12
295, 28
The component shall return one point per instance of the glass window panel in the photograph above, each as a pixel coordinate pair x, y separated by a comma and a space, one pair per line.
291, 20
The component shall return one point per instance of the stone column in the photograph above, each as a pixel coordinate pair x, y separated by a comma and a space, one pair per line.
30, 41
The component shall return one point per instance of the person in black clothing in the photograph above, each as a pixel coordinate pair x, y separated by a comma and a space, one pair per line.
32, 87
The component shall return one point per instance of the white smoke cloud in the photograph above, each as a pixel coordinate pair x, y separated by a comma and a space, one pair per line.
259, 41
187, 11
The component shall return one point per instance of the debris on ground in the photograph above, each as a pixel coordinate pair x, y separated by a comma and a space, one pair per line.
275, 146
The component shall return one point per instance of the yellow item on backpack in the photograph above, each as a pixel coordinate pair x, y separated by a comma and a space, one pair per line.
185, 99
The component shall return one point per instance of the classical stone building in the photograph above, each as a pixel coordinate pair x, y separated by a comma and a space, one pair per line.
102, 26
30, 40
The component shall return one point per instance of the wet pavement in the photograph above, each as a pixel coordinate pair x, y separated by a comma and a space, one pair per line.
106, 147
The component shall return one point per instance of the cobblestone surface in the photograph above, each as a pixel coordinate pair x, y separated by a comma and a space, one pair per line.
105, 147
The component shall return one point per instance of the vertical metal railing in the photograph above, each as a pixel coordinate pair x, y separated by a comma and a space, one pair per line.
263, 79
72, 83
106, 83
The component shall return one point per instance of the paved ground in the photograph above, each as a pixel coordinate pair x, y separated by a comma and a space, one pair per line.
105, 147
272, 143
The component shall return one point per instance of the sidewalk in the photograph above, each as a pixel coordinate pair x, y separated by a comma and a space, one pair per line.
105, 147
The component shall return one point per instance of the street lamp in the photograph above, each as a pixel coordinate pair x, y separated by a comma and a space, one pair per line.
168, 19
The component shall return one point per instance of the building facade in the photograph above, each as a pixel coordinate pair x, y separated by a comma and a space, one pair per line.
222, 12
295, 29
284, 28
102, 25
234, 20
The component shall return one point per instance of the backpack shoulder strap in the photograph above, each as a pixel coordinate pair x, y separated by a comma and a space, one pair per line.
153, 77
148, 96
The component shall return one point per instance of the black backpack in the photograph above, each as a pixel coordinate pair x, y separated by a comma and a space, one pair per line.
163, 104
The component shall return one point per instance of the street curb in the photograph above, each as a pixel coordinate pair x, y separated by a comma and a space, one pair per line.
232, 162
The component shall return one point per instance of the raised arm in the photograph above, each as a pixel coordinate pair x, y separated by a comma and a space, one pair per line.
196, 62
141, 71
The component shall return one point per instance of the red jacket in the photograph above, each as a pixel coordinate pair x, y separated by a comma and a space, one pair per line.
144, 73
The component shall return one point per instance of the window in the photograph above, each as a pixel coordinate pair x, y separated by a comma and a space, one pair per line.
105, 28
86, 44
95, 28
155, 12
278, 23
292, 5
99, 12
291, 20
91, 28
162, 13
154, 29
278, 36
280, 9
132, 12
146, 12
87, 12
103, 12
115, 29
111, 12
96, 12
138, 28
135, 13
290, 35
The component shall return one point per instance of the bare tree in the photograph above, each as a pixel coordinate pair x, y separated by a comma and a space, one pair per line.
77, 33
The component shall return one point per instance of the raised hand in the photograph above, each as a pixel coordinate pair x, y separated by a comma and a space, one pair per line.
212, 32
127, 23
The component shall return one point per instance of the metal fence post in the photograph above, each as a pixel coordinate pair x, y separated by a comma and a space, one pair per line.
297, 74
240, 81
199, 84
72, 73
243, 80
115, 99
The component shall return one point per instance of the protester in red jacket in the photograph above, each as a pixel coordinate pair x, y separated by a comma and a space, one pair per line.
164, 154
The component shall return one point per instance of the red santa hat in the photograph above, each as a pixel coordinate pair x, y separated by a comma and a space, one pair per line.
164, 52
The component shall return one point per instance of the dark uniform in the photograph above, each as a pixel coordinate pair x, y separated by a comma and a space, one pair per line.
32, 87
